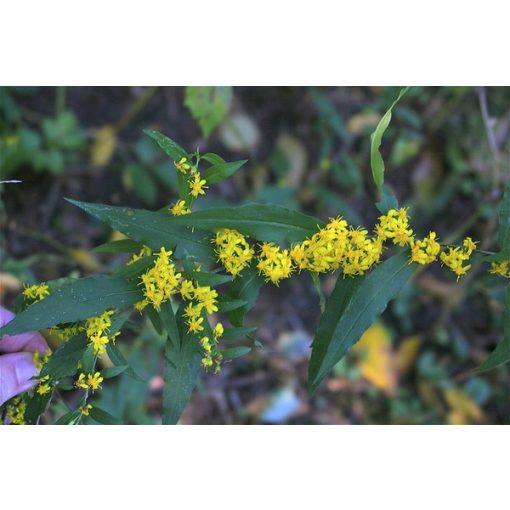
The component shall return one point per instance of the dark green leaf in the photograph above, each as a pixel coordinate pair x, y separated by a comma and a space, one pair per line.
121, 246
501, 354
172, 149
504, 229
212, 158
74, 301
245, 287
36, 406
169, 322
153, 229
388, 200
70, 418
118, 359
376, 160
204, 278
226, 305
351, 309
182, 365
236, 333
103, 417
264, 222
220, 171
88, 360
64, 360
235, 352
110, 372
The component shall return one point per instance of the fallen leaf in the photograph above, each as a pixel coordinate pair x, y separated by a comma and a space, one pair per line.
376, 358
295, 154
362, 122
464, 410
406, 354
84, 258
103, 146
8, 282
240, 133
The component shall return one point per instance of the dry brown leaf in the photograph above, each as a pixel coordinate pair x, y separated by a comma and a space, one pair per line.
8, 282
361, 122
464, 410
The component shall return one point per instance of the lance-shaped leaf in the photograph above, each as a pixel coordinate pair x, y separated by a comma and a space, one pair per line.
171, 149
74, 301
154, 229
352, 308
220, 171
504, 229
182, 365
376, 160
264, 222
501, 354
245, 288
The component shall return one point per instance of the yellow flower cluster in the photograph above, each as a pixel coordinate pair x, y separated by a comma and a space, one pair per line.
395, 226
212, 357
92, 381
201, 298
233, 250
160, 282
15, 411
44, 385
179, 208
425, 251
338, 245
455, 257
274, 263
97, 332
39, 359
500, 268
85, 409
36, 292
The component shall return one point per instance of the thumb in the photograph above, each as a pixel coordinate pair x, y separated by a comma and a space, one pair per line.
16, 372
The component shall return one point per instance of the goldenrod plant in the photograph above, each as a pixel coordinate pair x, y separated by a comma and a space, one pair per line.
196, 272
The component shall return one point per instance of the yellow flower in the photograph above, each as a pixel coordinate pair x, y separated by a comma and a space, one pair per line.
274, 263
39, 360
145, 251
195, 324
395, 226
455, 257
197, 185
179, 208
207, 298
500, 268
94, 381
187, 289
44, 385
36, 292
218, 331
182, 165
99, 342
81, 382
140, 305
161, 281
233, 250
85, 409
426, 251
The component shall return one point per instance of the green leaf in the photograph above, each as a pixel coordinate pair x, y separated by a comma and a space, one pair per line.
74, 301
169, 322
204, 278
171, 149
237, 333
235, 352
245, 287
376, 160
88, 360
36, 406
212, 158
121, 246
63, 361
70, 418
208, 105
110, 372
181, 372
103, 417
118, 359
501, 354
227, 305
317, 283
352, 307
153, 229
504, 229
388, 200
220, 171
264, 222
